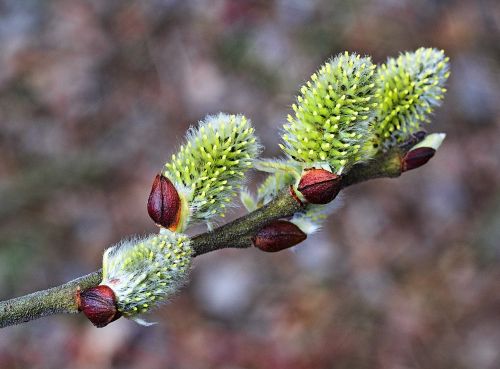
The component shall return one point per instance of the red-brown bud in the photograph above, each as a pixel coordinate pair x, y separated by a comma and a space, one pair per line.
98, 304
164, 203
416, 158
278, 235
319, 186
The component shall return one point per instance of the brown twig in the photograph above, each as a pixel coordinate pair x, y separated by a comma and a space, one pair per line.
236, 234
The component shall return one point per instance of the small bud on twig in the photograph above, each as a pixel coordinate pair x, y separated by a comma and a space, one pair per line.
416, 158
164, 203
278, 235
319, 186
422, 152
99, 305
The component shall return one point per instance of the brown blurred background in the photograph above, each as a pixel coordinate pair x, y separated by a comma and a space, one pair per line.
95, 95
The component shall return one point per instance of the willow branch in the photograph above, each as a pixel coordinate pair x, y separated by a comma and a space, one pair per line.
236, 234
56, 300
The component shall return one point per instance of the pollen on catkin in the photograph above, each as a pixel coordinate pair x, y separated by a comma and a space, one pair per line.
332, 116
144, 272
409, 88
210, 167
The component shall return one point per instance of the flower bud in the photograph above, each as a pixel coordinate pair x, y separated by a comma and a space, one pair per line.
164, 203
278, 235
332, 118
99, 305
319, 186
409, 88
145, 272
422, 152
416, 158
211, 165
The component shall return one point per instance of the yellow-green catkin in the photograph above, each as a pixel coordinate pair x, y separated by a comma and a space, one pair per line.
409, 88
333, 113
210, 167
144, 272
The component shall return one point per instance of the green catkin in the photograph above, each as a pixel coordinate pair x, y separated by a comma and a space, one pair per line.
333, 113
144, 272
211, 165
409, 88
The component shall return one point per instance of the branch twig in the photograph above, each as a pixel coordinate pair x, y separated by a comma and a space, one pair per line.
236, 234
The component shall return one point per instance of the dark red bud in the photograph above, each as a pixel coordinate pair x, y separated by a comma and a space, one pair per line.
319, 186
416, 158
278, 235
99, 305
164, 203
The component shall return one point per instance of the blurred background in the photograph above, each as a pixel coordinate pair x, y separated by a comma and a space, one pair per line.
96, 95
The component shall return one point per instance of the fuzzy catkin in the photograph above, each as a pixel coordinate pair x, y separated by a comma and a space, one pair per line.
409, 88
332, 116
144, 272
211, 165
